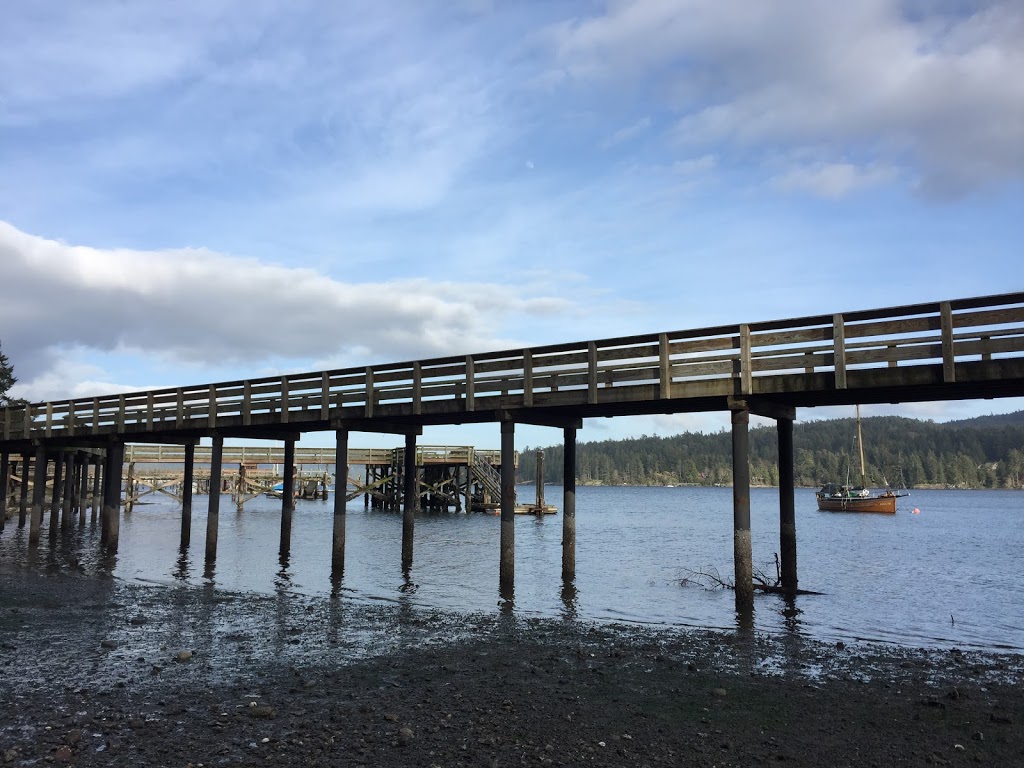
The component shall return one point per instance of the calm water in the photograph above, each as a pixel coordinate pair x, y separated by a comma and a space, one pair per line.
946, 576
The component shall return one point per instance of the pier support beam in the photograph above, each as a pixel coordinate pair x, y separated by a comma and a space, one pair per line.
213, 515
69, 491
111, 521
340, 500
83, 487
5, 471
97, 477
410, 497
507, 571
57, 492
569, 505
38, 495
742, 553
787, 507
287, 497
186, 495
26, 458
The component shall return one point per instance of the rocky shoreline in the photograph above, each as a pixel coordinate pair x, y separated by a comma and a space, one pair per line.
99, 672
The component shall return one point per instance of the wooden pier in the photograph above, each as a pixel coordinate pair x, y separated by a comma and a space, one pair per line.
970, 348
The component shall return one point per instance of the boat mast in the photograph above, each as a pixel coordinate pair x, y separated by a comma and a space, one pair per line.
860, 446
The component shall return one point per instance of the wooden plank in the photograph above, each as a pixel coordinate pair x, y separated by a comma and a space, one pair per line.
325, 396
665, 368
989, 317
948, 355
285, 405
246, 403
839, 351
150, 414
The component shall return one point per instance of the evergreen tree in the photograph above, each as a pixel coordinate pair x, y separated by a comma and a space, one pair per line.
7, 380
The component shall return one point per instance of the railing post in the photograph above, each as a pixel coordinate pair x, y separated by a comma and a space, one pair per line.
591, 372
664, 370
948, 353
71, 418
470, 383
179, 408
284, 399
95, 415
839, 351
49, 419
340, 502
417, 389
150, 415
369, 393
527, 378
246, 403
211, 410
746, 363
325, 396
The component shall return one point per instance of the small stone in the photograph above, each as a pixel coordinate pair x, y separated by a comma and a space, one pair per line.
73, 737
63, 754
840, 645
391, 717
10, 755
719, 692
111, 644
183, 656
958, 747
137, 619
978, 736
601, 744
405, 735
266, 713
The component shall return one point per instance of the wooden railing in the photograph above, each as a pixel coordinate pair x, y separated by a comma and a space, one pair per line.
425, 454
680, 364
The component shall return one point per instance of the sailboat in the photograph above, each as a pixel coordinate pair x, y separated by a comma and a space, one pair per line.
834, 497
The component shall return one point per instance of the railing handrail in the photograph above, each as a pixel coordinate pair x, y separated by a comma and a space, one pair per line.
909, 334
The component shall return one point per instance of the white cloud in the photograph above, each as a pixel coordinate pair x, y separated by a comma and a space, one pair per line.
196, 307
831, 180
938, 92
628, 133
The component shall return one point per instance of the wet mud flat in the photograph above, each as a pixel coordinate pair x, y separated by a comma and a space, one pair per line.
98, 672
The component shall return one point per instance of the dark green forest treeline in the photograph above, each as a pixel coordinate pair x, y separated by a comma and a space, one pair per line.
978, 453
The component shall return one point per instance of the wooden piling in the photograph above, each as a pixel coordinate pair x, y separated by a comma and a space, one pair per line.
112, 496
83, 487
69, 491
38, 495
411, 494
213, 515
23, 506
742, 552
506, 575
569, 505
287, 497
340, 500
97, 477
57, 492
787, 506
5, 470
186, 495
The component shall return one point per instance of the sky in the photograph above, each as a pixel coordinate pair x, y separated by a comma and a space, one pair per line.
214, 190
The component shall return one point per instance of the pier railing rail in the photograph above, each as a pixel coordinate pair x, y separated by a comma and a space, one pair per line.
673, 365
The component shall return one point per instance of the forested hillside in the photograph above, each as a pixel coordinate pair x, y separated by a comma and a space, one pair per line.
980, 453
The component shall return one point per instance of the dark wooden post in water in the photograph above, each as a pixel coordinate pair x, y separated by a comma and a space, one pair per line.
287, 497
539, 480
787, 507
69, 490
213, 515
38, 495
97, 476
83, 487
186, 495
5, 470
507, 572
57, 491
340, 500
569, 505
411, 495
23, 500
742, 553
111, 520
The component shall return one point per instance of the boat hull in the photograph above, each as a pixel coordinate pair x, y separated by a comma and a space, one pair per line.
883, 505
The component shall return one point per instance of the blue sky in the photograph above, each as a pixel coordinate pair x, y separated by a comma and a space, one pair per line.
216, 189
